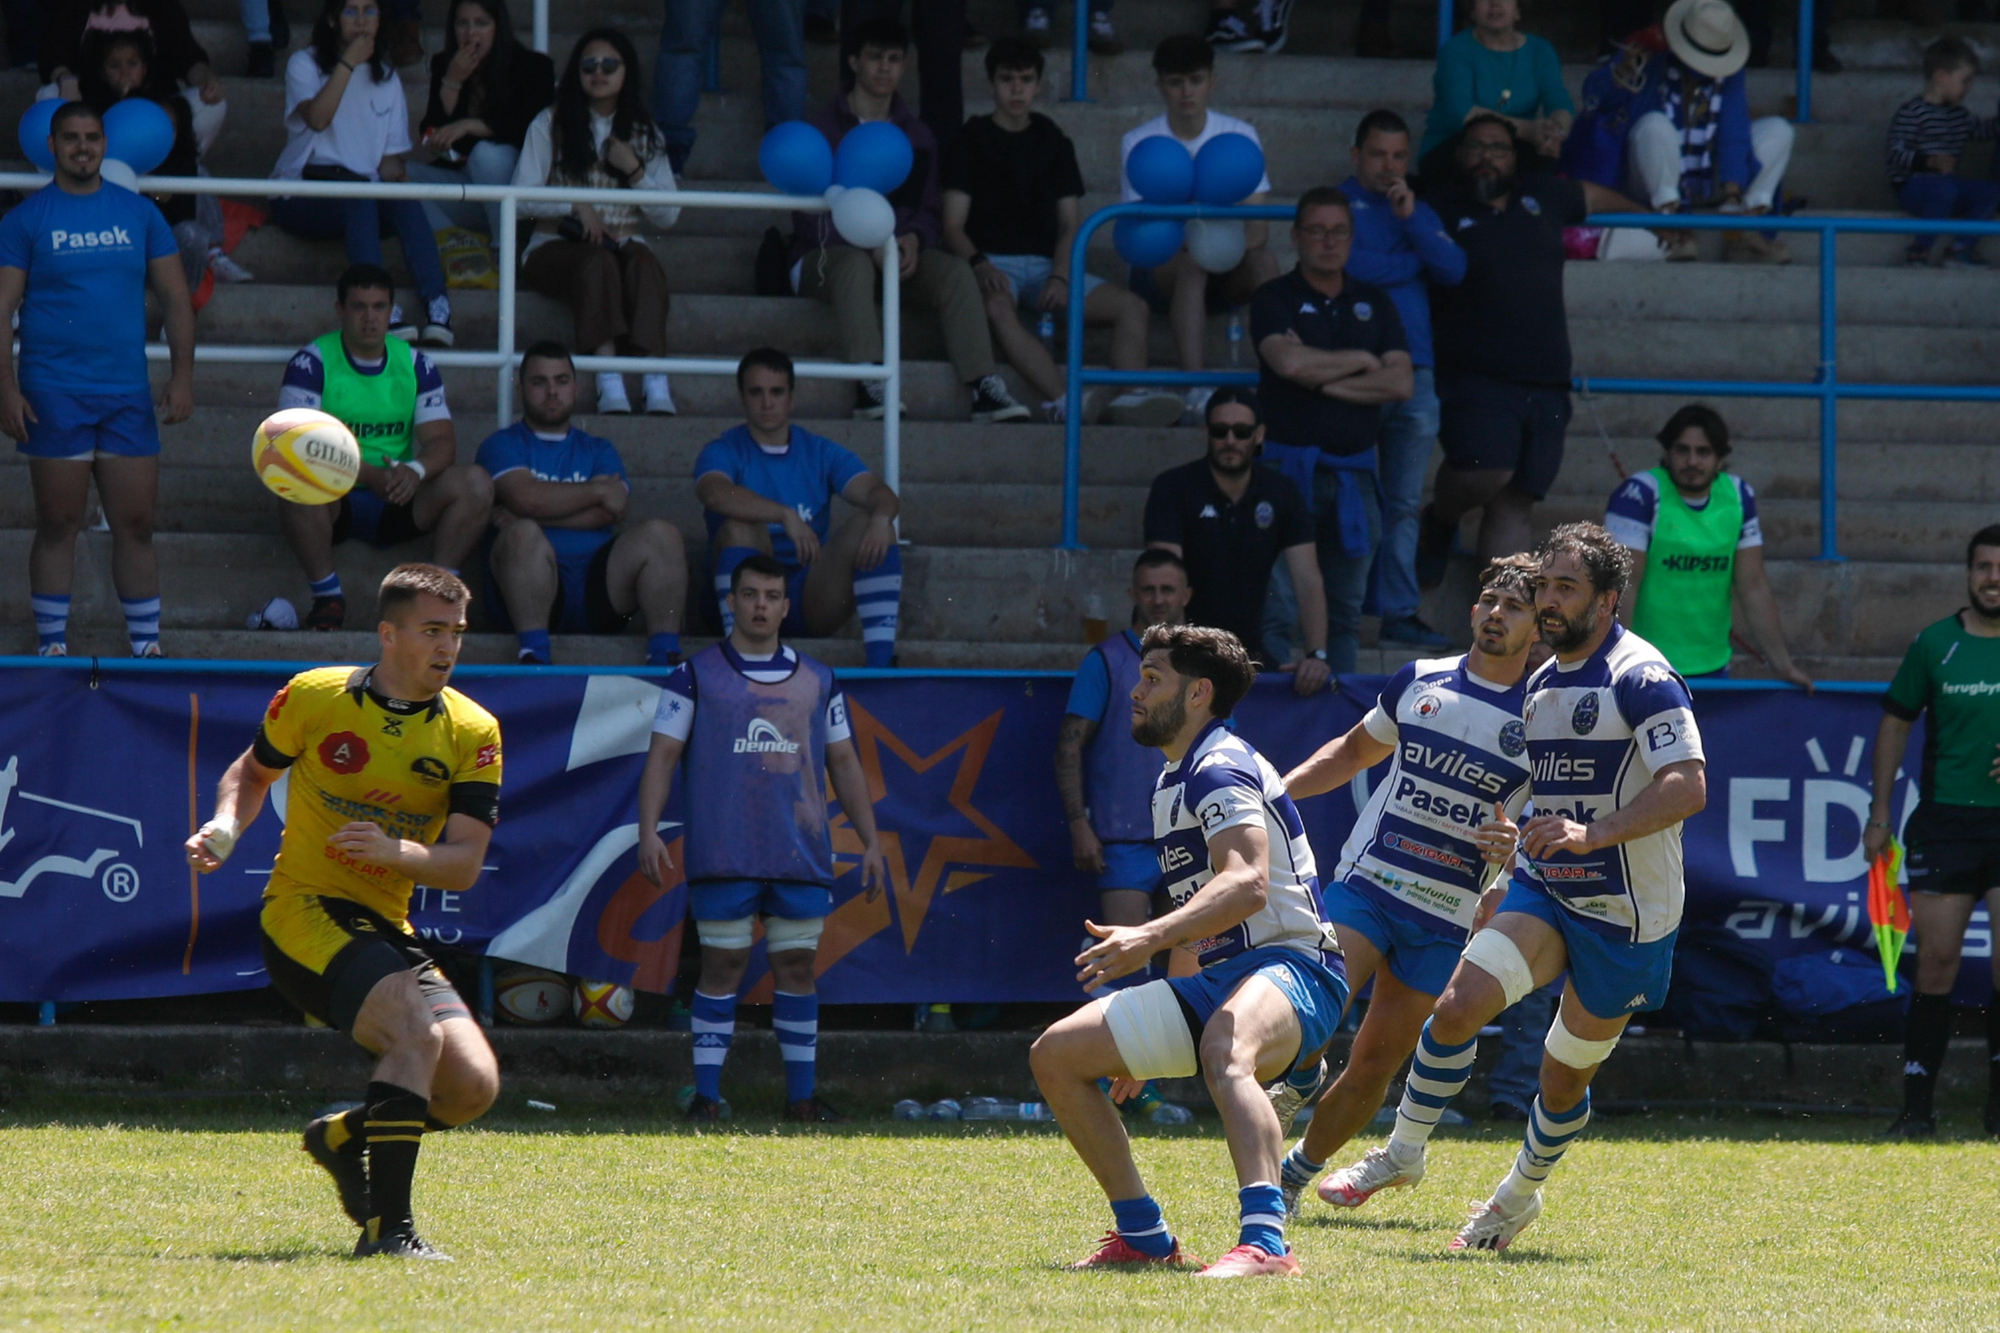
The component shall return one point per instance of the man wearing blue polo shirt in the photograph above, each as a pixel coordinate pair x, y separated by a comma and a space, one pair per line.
558, 493
1401, 247
75, 259
768, 488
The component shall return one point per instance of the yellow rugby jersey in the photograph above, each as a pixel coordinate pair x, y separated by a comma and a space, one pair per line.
352, 758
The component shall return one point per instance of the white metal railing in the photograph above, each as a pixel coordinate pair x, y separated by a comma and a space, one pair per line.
504, 358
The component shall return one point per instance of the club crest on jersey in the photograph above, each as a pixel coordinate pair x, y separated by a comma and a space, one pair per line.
1363, 311
1265, 513
1513, 739
1429, 706
431, 772
1532, 204
763, 737
344, 752
1584, 720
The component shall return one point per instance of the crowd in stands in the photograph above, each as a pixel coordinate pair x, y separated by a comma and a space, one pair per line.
1425, 312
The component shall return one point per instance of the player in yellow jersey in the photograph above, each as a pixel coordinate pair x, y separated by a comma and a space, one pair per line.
394, 779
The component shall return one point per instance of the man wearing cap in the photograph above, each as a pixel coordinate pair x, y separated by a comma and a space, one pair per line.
1693, 144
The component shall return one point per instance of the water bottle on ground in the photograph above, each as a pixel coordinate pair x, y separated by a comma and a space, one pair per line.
909, 1109
998, 1108
947, 1109
1236, 337
983, 1108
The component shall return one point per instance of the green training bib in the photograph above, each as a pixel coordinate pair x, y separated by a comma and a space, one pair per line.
1684, 606
378, 408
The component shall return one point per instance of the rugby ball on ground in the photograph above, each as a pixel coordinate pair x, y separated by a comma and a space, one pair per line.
530, 995
601, 1004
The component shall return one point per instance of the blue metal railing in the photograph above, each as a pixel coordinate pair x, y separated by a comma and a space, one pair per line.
1826, 385
1079, 61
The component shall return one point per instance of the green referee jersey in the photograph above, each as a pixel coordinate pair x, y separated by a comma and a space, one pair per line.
1956, 676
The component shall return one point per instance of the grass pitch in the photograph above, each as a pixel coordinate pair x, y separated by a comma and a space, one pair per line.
204, 1214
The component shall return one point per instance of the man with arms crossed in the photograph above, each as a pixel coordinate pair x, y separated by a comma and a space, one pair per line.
394, 779
1414, 876
762, 727
1617, 766
1270, 989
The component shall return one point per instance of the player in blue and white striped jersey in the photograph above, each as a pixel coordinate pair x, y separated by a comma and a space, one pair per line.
1617, 766
1270, 989
1413, 879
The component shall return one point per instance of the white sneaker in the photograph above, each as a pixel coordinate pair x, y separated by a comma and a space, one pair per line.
659, 397
1288, 1101
399, 327
226, 269
1055, 411
1038, 26
59, 648
611, 393
1194, 405
1352, 1186
1491, 1229
1144, 407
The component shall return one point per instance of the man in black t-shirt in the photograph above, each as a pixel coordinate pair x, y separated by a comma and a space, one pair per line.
1229, 519
1331, 352
1013, 199
1502, 344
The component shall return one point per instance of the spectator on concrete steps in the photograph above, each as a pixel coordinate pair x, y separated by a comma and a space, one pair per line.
559, 494
1494, 67
347, 121
67, 23
1927, 137
485, 90
599, 135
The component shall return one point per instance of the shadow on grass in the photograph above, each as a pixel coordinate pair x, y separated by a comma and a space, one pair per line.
1337, 1222
277, 1254
1514, 1254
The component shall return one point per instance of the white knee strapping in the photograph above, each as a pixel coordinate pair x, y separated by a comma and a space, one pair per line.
782, 933
1565, 1047
1151, 1032
1501, 959
725, 934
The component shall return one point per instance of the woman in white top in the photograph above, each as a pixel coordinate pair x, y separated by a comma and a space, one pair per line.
347, 120
599, 135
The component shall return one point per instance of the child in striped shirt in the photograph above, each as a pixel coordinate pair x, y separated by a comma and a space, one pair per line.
1926, 137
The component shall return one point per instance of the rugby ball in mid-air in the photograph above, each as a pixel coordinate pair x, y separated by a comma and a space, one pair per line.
530, 995
602, 1004
306, 456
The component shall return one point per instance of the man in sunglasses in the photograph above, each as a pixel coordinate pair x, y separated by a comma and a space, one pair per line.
1331, 352
1229, 520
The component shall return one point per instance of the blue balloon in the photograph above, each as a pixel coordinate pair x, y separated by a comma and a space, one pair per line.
1228, 168
1148, 242
1161, 170
796, 158
138, 132
35, 132
874, 155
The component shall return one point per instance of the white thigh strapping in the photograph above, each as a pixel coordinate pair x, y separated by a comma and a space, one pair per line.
1151, 1032
1501, 959
1565, 1047
782, 933
734, 934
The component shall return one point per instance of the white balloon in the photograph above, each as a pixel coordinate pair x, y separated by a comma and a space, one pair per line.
118, 173
864, 218
1217, 244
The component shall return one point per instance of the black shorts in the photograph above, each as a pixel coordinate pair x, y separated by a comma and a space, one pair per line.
1953, 849
1489, 425
366, 516
325, 954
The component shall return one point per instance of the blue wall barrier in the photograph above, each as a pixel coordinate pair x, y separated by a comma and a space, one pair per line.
1825, 386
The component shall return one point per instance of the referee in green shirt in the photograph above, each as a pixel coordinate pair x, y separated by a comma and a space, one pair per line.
1953, 836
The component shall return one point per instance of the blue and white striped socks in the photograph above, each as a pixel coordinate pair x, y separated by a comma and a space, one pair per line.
1263, 1209
51, 621
326, 587
1141, 1225
142, 623
1438, 1073
878, 597
795, 1018
1547, 1139
714, 1025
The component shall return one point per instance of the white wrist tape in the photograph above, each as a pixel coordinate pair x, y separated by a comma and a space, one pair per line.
1565, 1047
1500, 958
416, 466
219, 836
